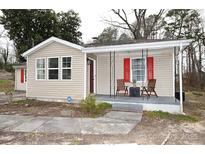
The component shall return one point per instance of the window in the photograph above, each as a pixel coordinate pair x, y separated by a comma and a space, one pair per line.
138, 69
53, 69
40, 69
66, 68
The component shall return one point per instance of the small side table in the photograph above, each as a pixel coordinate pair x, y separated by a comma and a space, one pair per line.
134, 91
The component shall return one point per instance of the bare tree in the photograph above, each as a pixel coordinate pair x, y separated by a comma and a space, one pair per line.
5, 53
143, 26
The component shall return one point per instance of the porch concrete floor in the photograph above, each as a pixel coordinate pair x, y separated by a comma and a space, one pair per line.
138, 100
111, 123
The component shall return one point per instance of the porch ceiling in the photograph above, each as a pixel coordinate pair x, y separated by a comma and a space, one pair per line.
137, 46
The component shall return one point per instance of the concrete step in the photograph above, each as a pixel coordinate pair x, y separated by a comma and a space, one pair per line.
128, 107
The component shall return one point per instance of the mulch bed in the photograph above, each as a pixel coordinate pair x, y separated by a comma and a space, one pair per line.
41, 108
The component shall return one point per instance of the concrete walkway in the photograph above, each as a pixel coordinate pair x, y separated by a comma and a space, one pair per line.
114, 122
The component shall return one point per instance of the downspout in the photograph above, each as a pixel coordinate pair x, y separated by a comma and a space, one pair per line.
180, 78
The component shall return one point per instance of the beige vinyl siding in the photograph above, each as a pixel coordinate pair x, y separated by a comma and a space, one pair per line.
57, 89
163, 71
18, 85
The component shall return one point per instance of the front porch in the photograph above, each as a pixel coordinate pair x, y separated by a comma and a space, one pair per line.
135, 65
166, 104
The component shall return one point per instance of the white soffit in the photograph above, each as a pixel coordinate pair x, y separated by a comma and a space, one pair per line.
137, 46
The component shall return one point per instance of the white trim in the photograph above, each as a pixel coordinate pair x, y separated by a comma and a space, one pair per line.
180, 78
173, 69
61, 72
38, 68
15, 79
97, 74
85, 75
94, 73
25, 75
136, 46
48, 41
145, 77
18, 67
116, 48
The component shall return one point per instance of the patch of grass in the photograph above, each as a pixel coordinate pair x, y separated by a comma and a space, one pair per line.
27, 101
197, 93
76, 141
6, 85
102, 107
166, 115
5, 81
90, 106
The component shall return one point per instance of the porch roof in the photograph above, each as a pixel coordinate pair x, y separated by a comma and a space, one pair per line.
137, 46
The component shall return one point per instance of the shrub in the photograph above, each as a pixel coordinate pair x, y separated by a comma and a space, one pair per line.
90, 106
9, 68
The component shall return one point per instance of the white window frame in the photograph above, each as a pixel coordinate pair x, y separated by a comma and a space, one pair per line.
62, 68
47, 66
145, 78
36, 68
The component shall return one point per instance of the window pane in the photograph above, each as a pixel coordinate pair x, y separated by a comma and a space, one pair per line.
40, 63
138, 64
40, 74
53, 74
66, 73
138, 69
53, 62
140, 78
66, 61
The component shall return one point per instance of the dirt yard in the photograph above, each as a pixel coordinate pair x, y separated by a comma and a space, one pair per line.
151, 130
40, 108
4, 75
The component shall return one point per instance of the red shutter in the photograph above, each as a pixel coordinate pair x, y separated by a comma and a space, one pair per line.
126, 69
150, 68
22, 75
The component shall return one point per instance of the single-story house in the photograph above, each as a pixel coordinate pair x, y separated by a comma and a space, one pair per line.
56, 69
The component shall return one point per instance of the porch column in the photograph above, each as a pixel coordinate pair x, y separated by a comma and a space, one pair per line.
180, 78
114, 73
110, 75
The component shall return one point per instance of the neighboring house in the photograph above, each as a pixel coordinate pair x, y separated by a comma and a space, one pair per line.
20, 77
57, 69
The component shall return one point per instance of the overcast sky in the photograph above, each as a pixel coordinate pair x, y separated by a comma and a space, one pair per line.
92, 21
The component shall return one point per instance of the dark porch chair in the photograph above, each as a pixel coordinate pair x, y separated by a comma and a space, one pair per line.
121, 86
150, 89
